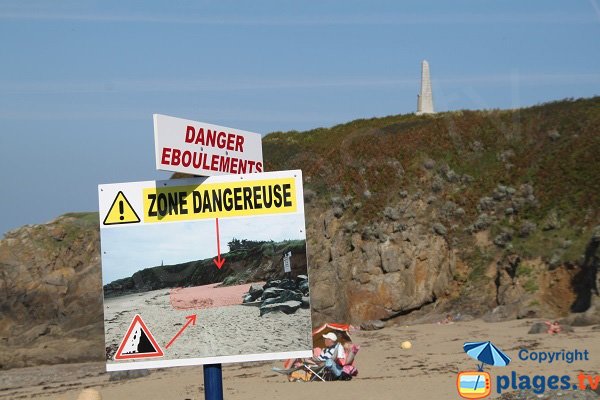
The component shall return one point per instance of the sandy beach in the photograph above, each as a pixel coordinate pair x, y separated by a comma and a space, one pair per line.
427, 370
224, 327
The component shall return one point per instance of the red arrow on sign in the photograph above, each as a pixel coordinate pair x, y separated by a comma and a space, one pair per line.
218, 261
191, 320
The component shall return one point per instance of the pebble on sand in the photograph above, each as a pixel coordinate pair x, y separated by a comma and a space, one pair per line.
89, 394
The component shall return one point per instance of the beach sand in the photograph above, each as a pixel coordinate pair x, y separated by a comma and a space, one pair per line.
426, 371
223, 327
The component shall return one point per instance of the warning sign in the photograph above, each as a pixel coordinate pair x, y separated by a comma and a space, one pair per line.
138, 342
199, 148
205, 244
202, 198
220, 200
121, 212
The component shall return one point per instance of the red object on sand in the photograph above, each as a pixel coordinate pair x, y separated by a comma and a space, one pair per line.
208, 296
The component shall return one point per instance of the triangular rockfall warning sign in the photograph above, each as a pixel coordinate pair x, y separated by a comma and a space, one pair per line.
138, 342
121, 212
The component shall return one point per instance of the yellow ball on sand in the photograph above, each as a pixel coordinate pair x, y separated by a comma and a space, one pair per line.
406, 345
89, 394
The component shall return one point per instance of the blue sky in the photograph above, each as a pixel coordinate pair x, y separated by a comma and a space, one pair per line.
80, 80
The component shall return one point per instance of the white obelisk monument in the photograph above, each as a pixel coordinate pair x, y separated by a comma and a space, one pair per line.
425, 98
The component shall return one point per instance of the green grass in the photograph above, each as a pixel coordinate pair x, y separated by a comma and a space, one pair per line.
546, 244
478, 260
562, 171
524, 270
530, 286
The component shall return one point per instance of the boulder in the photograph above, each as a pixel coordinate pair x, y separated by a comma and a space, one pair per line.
372, 325
538, 327
247, 298
486, 204
527, 228
437, 184
287, 284
272, 283
429, 163
483, 221
303, 287
288, 307
440, 229
255, 291
391, 213
553, 134
583, 319
338, 212
551, 221
271, 292
305, 302
541, 327
289, 295
272, 300
502, 239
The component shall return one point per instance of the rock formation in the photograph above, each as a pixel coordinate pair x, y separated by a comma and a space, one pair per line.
50, 293
408, 218
286, 295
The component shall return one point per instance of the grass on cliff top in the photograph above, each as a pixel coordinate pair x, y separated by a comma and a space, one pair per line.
373, 159
84, 217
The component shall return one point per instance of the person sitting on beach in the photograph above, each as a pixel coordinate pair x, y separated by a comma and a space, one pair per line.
333, 355
447, 320
553, 327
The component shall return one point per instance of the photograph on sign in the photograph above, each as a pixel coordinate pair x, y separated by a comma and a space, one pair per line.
199, 278
204, 149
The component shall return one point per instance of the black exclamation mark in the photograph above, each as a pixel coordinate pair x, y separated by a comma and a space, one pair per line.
122, 217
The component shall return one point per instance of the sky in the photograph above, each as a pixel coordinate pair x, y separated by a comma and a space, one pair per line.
130, 248
80, 80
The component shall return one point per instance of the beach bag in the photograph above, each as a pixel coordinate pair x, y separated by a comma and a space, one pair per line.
299, 375
350, 370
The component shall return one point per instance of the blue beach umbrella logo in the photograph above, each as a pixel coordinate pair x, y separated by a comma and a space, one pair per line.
477, 385
486, 353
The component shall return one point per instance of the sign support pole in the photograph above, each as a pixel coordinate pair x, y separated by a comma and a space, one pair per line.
213, 382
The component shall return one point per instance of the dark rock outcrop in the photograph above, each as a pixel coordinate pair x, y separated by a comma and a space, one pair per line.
286, 295
50, 293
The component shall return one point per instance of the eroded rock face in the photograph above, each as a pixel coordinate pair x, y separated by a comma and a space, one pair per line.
376, 273
50, 293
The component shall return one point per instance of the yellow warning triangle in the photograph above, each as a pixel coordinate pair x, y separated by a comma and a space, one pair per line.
121, 212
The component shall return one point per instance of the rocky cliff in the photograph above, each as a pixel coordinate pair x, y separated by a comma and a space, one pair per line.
480, 213
487, 213
50, 293
259, 261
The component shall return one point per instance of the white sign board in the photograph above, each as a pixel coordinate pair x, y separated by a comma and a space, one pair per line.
185, 264
287, 266
203, 149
